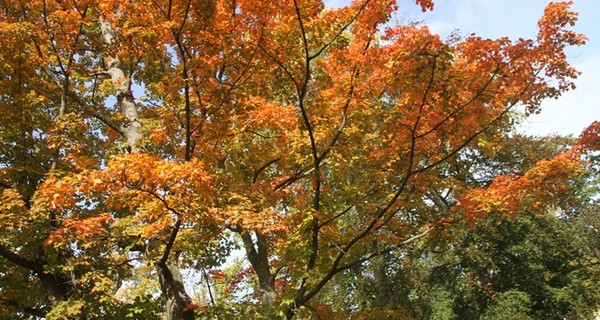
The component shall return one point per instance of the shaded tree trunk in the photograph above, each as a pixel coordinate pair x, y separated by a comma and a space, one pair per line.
57, 288
258, 255
178, 303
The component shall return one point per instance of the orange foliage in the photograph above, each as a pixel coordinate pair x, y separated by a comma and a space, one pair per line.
590, 137
547, 184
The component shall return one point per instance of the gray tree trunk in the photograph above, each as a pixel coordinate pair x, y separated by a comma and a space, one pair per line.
258, 256
177, 302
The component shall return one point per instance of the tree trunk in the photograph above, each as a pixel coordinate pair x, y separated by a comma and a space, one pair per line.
178, 304
57, 288
258, 256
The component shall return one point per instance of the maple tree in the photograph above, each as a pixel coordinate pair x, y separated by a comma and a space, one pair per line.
315, 136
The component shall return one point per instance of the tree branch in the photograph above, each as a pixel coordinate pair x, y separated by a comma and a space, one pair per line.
171, 242
86, 107
344, 28
262, 168
19, 260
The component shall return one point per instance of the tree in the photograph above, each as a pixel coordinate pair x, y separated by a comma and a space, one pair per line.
312, 135
518, 266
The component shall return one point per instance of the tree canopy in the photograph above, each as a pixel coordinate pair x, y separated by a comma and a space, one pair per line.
526, 266
142, 142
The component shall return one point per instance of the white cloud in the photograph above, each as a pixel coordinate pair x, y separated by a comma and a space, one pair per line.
336, 3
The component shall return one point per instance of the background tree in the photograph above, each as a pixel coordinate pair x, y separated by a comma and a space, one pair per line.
526, 266
318, 138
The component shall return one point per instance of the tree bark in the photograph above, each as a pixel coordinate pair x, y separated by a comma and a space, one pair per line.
178, 304
258, 256
132, 130
56, 288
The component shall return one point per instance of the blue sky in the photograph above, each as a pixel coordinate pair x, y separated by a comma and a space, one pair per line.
572, 112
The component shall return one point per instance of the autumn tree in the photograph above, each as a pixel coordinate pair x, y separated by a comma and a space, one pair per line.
140, 138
